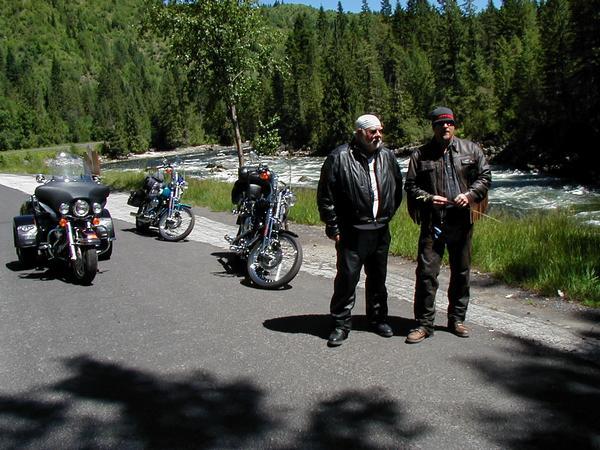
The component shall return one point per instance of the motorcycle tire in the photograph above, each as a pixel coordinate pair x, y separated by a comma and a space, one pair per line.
179, 226
85, 266
277, 266
27, 256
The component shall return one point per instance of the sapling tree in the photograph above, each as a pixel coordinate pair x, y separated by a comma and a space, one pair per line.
222, 44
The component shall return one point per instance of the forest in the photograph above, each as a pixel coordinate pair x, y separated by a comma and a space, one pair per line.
521, 77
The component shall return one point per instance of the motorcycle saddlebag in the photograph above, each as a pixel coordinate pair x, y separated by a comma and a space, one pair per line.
136, 198
25, 231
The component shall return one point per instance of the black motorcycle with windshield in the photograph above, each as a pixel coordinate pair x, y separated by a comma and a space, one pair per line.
66, 221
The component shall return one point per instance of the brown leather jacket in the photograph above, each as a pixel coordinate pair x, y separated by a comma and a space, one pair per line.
425, 177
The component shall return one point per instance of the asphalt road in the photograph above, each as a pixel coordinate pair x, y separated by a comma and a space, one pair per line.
169, 349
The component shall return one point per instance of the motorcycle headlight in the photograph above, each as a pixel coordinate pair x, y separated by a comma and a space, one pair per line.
63, 208
81, 208
97, 208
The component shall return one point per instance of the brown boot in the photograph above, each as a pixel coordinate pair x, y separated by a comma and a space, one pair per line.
459, 329
417, 335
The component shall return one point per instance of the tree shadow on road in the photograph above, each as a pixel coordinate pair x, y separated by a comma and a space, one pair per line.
592, 317
107, 405
562, 391
195, 411
357, 419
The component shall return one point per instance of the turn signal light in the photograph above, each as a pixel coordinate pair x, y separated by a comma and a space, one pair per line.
62, 222
96, 221
265, 176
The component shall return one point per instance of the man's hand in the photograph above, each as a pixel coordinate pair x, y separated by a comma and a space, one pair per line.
462, 200
438, 200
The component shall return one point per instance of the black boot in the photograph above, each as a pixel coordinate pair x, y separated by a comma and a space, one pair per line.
337, 337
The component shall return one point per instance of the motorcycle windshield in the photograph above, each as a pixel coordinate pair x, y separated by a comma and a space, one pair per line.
69, 180
68, 167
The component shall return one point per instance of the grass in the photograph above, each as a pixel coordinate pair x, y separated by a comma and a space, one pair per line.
546, 252
34, 160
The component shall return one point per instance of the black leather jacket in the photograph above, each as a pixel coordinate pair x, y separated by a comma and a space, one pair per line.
344, 194
425, 177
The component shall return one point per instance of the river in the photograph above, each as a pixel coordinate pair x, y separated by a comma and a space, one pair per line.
515, 191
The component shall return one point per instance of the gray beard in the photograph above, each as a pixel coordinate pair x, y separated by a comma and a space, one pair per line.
369, 147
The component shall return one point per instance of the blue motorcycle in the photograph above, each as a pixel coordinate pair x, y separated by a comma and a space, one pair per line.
159, 205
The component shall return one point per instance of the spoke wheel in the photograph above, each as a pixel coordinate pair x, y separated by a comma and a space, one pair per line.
178, 226
276, 265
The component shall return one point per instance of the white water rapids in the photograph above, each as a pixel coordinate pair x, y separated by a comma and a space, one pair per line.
513, 191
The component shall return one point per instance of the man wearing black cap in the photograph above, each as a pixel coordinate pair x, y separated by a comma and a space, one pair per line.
359, 191
447, 183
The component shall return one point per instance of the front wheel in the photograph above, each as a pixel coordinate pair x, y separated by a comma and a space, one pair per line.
85, 265
178, 226
277, 264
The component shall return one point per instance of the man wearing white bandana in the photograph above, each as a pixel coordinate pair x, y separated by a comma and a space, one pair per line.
359, 191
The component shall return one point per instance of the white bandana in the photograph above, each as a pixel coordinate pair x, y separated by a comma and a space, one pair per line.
367, 121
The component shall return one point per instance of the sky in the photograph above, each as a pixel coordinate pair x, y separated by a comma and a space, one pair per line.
355, 5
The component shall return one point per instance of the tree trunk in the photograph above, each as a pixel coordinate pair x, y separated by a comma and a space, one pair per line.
238, 137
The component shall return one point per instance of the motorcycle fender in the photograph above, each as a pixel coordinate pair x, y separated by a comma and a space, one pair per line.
183, 205
25, 234
291, 233
106, 227
88, 238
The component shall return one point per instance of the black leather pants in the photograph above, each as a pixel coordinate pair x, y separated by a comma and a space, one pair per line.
456, 235
355, 249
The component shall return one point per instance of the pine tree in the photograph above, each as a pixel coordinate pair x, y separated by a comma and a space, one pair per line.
386, 8
339, 98
450, 53
555, 17
170, 129
13, 72
302, 114
584, 107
